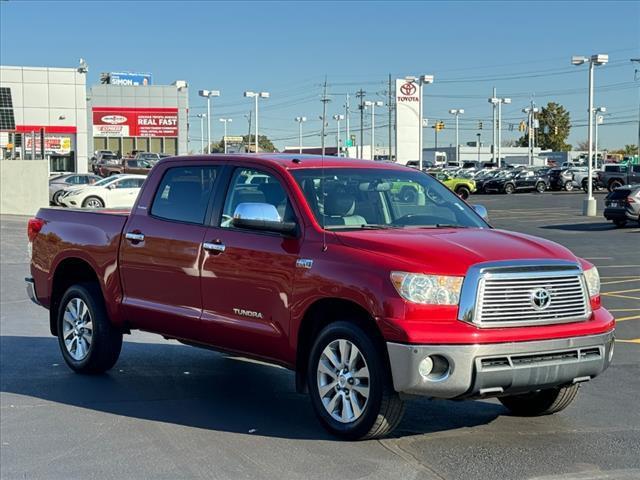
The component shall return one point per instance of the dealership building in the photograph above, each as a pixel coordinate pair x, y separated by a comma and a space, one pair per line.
128, 116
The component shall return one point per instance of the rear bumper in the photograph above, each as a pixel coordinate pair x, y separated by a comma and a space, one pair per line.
31, 290
465, 371
612, 213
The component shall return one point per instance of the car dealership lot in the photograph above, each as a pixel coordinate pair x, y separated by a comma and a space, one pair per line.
170, 411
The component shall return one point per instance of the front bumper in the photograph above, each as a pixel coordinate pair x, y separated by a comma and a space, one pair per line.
466, 371
31, 290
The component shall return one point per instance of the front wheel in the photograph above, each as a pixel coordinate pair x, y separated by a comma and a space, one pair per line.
87, 339
350, 384
509, 189
568, 186
463, 192
93, 202
542, 402
56, 197
541, 187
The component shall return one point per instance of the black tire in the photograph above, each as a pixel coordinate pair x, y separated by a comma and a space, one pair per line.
542, 402
463, 192
99, 201
585, 185
56, 197
619, 223
568, 186
613, 184
106, 340
509, 188
383, 409
541, 187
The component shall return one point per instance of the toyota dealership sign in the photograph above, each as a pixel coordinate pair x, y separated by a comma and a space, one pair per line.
135, 122
407, 121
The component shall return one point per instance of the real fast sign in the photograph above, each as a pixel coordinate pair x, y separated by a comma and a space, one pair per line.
135, 122
407, 121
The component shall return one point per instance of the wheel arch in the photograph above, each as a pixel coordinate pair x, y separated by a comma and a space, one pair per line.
322, 313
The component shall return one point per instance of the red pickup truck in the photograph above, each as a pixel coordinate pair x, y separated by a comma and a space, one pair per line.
320, 267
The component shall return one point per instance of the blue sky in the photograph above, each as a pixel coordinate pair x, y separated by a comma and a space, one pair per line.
287, 48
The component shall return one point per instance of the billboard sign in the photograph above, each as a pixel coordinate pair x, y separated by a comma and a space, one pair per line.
129, 78
135, 122
407, 121
53, 144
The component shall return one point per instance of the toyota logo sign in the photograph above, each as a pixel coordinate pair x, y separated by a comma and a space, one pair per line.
540, 298
408, 88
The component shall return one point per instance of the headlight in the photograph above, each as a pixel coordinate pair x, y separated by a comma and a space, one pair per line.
593, 281
427, 289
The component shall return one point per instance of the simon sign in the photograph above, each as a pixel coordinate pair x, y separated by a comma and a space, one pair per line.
407, 120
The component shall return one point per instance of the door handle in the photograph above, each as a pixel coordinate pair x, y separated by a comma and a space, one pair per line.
214, 247
134, 237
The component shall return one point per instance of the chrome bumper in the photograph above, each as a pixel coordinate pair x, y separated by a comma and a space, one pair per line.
31, 290
464, 371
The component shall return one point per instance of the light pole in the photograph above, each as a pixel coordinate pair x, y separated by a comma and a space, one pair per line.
478, 142
373, 106
530, 111
300, 121
457, 112
500, 102
338, 118
202, 116
422, 80
589, 203
256, 96
599, 121
208, 94
493, 100
224, 139
636, 77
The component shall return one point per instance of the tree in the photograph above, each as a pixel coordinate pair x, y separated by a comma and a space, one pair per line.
631, 149
583, 145
555, 125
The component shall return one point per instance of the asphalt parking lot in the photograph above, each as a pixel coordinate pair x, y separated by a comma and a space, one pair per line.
171, 411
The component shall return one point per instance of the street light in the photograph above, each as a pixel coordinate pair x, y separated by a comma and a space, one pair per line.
531, 112
599, 121
373, 106
589, 203
208, 94
224, 139
202, 116
637, 60
422, 80
338, 118
457, 112
506, 101
256, 95
300, 121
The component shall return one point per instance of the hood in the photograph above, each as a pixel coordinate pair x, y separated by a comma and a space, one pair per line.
452, 251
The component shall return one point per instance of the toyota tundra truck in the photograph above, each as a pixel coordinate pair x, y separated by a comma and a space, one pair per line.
370, 297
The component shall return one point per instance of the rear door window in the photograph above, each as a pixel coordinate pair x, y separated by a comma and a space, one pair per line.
184, 193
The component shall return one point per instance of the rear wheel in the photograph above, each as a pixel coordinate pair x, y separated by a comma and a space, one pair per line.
463, 192
87, 339
509, 188
93, 202
614, 184
568, 186
541, 187
619, 223
350, 384
542, 402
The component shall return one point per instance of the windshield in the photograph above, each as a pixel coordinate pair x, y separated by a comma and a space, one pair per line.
371, 198
105, 181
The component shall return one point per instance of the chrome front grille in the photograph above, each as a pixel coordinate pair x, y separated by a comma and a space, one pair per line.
525, 292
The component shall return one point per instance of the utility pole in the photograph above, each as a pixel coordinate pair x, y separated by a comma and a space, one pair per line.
390, 105
249, 132
636, 77
361, 94
347, 114
478, 142
324, 101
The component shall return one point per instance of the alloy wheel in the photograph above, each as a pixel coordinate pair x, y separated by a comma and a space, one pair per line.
343, 381
77, 329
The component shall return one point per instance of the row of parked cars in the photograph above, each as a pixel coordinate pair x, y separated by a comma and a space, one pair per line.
106, 163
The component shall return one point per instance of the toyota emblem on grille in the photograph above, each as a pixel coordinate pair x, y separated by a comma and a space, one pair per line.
540, 298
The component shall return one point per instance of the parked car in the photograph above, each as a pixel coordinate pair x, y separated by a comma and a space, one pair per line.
126, 165
152, 158
622, 205
115, 191
59, 183
463, 187
322, 270
518, 181
561, 179
102, 161
615, 175
98, 153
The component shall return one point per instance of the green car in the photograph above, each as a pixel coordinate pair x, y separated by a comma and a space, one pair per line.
463, 187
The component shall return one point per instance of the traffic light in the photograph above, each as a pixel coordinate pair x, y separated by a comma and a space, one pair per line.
440, 126
522, 127
555, 130
479, 125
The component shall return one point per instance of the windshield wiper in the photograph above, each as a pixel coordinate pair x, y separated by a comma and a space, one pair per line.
441, 225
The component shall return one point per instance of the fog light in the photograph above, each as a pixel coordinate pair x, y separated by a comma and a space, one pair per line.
434, 368
425, 367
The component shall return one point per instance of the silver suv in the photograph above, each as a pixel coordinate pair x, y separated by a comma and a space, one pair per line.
623, 205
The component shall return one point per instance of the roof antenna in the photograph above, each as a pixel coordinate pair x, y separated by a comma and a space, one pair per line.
324, 100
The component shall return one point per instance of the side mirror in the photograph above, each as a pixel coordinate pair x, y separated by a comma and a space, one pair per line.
482, 211
112, 186
261, 216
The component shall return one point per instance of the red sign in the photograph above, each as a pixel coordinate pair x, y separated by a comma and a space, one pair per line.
408, 88
135, 122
